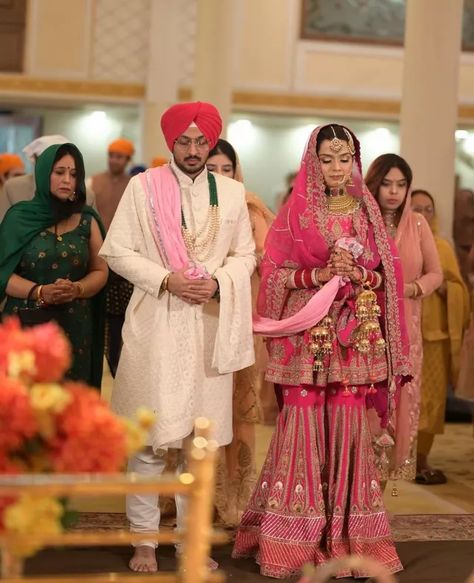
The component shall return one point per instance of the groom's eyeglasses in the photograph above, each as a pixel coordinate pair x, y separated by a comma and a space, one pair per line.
185, 142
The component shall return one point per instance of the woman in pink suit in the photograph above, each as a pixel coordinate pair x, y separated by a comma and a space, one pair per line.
318, 496
389, 179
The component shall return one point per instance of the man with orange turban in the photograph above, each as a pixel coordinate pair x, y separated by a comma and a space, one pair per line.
108, 188
159, 161
182, 236
10, 165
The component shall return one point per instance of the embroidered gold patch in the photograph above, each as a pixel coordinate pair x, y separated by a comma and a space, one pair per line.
304, 221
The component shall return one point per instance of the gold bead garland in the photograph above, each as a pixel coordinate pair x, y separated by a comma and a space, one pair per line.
200, 245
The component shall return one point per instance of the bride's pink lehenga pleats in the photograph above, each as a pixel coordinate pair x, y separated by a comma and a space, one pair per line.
318, 496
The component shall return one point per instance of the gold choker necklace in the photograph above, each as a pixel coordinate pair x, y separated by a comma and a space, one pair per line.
342, 204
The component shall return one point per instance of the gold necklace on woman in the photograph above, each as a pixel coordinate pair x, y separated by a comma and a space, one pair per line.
390, 220
341, 203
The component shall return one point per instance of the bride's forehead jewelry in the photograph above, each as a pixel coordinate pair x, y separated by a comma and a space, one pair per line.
336, 144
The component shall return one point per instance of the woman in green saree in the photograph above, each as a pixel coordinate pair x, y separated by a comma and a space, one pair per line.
51, 244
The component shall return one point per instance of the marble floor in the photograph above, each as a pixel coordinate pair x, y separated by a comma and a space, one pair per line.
452, 452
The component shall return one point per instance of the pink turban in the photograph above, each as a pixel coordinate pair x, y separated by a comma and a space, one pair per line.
176, 120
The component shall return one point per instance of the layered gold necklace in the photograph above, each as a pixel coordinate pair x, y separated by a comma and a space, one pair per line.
341, 203
200, 245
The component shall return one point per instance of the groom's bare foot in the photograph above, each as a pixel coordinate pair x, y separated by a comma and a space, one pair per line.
144, 560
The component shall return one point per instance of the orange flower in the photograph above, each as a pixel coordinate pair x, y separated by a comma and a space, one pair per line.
89, 437
46, 426
8, 466
52, 352
17, 419
12, 339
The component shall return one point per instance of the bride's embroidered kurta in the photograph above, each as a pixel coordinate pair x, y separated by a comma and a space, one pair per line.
291, 359
169, 345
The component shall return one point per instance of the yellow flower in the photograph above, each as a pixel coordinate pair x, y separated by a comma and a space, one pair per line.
49, 397
135, 436
145, 417
32, 516
19, 362
136, 433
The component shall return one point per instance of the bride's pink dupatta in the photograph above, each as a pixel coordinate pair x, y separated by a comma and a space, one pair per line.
164, 205
312, 313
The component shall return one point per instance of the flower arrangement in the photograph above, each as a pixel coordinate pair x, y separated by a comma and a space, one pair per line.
47, 425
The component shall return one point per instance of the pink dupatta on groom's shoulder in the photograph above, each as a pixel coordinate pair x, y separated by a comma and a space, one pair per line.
164, 205
233, 345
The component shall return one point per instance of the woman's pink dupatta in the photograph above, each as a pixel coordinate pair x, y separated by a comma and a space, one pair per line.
312, 313
164, 205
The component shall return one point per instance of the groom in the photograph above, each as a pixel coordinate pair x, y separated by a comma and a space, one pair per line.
181, 235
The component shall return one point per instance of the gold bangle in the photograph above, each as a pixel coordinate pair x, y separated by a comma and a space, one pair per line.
418, 290
379, 278
39, 297
164, 283
81, 289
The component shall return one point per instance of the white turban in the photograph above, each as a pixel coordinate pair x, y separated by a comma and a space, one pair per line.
38, 146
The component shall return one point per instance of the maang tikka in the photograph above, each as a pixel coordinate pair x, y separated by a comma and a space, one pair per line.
336, 144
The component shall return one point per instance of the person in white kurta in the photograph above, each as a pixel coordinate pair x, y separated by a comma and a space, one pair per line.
179, 352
